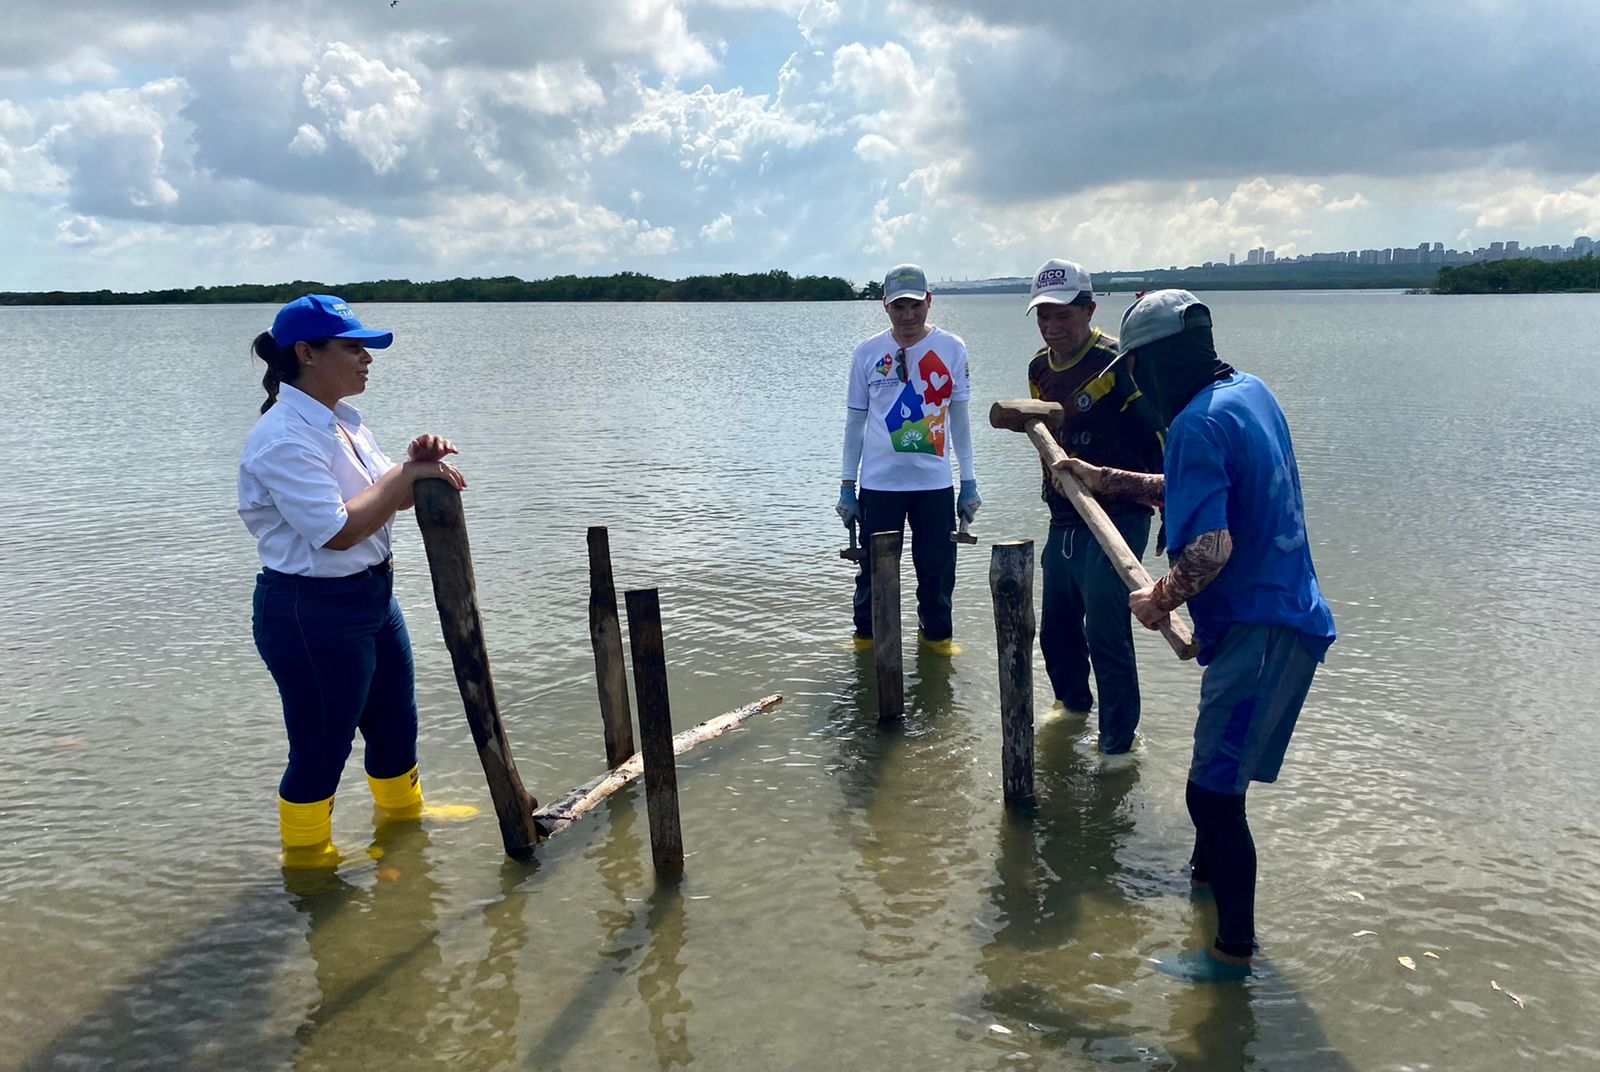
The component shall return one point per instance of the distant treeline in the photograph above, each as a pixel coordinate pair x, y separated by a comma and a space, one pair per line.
624, 286
1521, 276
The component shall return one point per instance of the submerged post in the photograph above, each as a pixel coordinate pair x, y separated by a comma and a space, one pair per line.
605, 633
886, 625
455, 592
1011, 586
655, 730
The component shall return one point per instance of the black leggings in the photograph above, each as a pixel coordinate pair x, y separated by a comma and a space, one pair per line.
1225, 856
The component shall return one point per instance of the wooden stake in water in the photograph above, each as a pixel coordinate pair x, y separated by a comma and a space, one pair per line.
886, 625
655, 730
1011, 586
605, 633
455, 592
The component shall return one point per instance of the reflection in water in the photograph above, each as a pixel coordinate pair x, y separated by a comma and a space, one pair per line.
388, 997
1263, 1023
907, 800
221, 976
619, 860
377, 959
659, 975
1063, 952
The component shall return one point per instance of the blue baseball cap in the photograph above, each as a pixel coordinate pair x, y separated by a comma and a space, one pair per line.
322, 316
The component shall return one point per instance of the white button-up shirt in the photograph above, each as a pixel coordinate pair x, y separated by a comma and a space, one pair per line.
298, 471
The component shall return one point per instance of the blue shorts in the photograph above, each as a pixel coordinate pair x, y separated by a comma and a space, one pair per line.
1250, 697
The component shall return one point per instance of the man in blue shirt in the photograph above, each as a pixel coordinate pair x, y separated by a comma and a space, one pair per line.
1240, 559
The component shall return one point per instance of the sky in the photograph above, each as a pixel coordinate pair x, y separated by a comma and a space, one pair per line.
160, 143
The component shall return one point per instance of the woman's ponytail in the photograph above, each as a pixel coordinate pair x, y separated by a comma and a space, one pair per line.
282, 366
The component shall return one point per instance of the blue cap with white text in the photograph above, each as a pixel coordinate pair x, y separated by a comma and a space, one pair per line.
322, 316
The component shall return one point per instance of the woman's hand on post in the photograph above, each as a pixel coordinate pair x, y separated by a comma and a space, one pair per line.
1088, 475
429, 448
428, 470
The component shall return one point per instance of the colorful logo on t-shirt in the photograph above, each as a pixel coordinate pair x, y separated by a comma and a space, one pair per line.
911, 430
885, 365
932, 371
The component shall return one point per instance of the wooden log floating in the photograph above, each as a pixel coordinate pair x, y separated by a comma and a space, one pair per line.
1011, 587
886, 656
605, 634
455, 591
655, 730
559, 815
1036, 418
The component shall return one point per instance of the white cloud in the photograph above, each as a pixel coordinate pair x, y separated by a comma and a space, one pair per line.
706, 130
889, 233
549, 88
377, 109
119, 145
655, 241
308, 141
719, 229
1528, 205
816, 16
1349, 204
876, 149
79, 231
884, 75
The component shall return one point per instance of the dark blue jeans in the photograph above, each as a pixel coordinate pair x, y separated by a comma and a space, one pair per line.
932, 515
1085, 620
339, 651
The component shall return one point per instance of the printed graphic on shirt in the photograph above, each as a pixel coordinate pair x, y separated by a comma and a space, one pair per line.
911, 430
932, 370
1286, 497
885, 365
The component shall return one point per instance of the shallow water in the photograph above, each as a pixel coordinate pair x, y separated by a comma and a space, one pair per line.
854, 897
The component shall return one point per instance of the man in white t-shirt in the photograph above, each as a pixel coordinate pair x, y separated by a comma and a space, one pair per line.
907, 413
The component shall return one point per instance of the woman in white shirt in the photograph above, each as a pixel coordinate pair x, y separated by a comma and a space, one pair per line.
320, 498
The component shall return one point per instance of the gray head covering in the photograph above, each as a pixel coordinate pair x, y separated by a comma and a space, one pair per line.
1171, 332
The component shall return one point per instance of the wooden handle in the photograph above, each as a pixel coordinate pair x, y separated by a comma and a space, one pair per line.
1175, 628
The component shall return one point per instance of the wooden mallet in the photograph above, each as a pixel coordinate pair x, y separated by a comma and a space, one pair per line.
1037, 419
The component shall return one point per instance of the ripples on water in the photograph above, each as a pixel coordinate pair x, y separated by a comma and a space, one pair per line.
855, 896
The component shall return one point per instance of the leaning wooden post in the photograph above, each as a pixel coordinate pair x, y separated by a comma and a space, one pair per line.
1011, 585
455, 591
605, 633
655, 730
886, 625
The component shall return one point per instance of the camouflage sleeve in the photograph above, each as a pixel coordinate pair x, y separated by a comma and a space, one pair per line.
1149, 489
1197, 567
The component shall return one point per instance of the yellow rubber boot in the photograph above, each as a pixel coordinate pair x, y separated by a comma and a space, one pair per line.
399, 797
307, 832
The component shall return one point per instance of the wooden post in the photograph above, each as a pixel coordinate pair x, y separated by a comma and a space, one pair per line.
455, 592
886, 625
655, 730
605, 634
1011, 585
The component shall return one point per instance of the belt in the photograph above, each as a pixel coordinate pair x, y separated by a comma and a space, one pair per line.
377, 569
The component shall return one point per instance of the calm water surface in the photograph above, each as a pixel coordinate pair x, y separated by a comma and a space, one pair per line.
855, 897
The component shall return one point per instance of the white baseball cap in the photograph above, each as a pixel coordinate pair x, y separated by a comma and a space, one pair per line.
1059, 282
